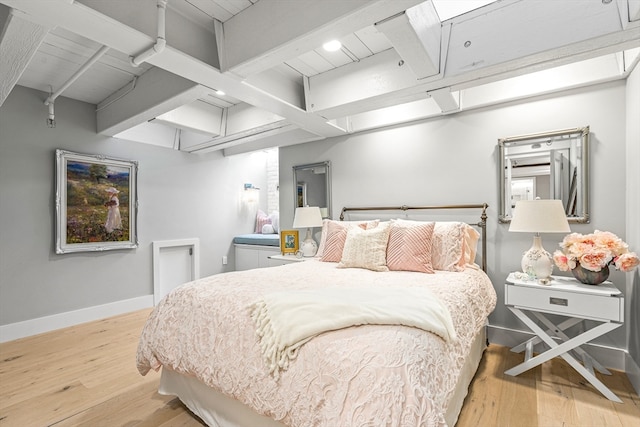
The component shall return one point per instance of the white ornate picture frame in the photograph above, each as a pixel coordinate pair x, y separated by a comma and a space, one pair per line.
96, 203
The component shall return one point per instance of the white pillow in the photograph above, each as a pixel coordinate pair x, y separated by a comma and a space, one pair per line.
366, 248
275, 221
268, 229
325, 231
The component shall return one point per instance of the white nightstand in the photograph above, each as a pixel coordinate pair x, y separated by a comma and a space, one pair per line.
567, 297
275, 260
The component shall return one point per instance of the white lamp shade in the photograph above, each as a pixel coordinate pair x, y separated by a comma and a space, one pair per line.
539, 216
307, 217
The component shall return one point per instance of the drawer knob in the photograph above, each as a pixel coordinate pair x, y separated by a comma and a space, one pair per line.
558, 301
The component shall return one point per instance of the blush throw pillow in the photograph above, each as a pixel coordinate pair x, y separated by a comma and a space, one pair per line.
470, 244
334, 241
409, 247
261, 219
366, 248
447, 252
335, 226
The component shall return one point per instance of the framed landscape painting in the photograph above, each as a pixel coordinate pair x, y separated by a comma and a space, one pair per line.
96, 203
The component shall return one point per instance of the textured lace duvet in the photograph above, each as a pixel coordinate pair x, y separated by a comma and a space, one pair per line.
369, 375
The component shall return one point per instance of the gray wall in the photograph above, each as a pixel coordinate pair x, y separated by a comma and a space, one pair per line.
453, 160
181, 195
633, 216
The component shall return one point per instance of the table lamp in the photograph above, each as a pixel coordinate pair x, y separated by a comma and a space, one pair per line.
539, 216
308, 217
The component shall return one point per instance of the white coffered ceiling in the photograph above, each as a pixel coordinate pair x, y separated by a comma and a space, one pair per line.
400, 60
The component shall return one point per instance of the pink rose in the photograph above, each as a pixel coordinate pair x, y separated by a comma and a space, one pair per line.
561, 260
595, 260
627, 262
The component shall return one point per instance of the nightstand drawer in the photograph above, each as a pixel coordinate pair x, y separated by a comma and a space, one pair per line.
603, 307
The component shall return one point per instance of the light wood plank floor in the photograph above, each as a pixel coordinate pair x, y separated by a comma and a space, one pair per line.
86, 376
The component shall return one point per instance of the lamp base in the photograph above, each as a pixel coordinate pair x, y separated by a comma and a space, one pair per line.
308, 247
537, 262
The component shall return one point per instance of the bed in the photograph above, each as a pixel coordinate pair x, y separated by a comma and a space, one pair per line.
331, 343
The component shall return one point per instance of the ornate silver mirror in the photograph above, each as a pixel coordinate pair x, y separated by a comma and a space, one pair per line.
312, 186
549, 165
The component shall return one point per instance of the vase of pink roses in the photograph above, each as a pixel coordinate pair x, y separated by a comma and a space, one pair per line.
589, 256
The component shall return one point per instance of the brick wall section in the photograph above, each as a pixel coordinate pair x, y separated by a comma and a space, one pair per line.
273, 181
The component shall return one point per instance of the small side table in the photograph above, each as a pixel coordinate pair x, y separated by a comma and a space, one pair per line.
275, 260
567, 297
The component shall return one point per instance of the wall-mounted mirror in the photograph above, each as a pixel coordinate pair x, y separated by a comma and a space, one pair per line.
549, 165
312, 186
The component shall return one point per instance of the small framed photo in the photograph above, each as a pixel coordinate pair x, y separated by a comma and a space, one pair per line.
289, 242
96, 203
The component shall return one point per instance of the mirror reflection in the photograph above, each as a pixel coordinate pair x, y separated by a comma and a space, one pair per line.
550, 165
312, 186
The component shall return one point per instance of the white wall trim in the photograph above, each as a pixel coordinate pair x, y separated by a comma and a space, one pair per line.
14, 331
193, 243
610, 357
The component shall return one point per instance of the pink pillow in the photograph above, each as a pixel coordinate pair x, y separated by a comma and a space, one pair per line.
448, 244
409, 247
470, 244
325, 228
334, 243
261, 219
447, 252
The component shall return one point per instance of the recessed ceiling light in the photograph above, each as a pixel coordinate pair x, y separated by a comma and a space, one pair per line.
220, 92
332, 46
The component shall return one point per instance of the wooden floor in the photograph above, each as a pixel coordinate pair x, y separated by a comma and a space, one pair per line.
86, 376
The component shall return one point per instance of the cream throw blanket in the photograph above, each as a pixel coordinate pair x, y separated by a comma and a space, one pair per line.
286, 320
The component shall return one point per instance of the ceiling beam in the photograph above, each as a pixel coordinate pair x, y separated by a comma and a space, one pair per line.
96, 26
197, 116
447, 101
181, 34
416, 35
353, 82
351, 89
273, 31
155, 92
290, 136
240, 123
19, 41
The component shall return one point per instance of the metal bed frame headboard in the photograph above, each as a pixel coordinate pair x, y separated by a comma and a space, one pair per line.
482, 224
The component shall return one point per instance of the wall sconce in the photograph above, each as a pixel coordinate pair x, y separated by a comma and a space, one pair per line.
251, 194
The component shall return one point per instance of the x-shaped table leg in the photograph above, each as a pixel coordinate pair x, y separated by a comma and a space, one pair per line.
558, 331
562, 349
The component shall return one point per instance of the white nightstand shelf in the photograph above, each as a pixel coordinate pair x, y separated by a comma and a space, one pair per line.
564, 296
275, 260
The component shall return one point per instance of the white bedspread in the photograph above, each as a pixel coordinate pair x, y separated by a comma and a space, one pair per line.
286, 320
382, 375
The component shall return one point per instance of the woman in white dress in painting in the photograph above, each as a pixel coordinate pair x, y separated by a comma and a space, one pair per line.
114, 222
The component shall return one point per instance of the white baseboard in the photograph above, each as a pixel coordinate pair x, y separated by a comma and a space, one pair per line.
14, 331
609, 357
